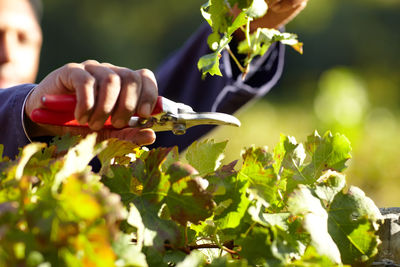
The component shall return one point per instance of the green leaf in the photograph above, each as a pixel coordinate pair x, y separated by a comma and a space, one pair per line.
127, 253
311, 258
239, 21
157, 231
194, 259
257, 247
353, 225
210, 64
263, 38
27, 153
328, 152
229, 193
216, 14
205, 156
242, 4
65, 142
123, 183
77, 159
328, 185
148, 171
315, 221
259, 215
115, 152
289, 159
187, 198
257, 9
226, 261
264, 184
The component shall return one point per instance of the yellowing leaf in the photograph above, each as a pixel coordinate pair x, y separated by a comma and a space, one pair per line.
83, 204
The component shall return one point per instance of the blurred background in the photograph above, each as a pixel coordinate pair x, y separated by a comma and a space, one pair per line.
347, 80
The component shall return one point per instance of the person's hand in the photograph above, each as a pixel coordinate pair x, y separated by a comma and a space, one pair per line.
279, 13
101, 90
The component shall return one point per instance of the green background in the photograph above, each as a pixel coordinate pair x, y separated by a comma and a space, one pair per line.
347, 80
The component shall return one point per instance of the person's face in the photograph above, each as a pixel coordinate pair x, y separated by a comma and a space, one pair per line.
20, 43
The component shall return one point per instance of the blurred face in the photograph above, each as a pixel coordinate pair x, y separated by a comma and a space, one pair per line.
20, 43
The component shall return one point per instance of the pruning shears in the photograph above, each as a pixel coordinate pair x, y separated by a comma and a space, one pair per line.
167, 115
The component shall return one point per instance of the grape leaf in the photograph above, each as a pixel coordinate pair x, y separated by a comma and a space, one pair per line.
210, 64
27, 153
205, 156
257, 247
280, 209
311, 258
127, 253
263, 181
258, 215
229, 191
219, 15
77, 159
187, 198
328, 152
157, 231
260, 41
194, 259
148, 172
65, 142
328, 185
289, 159
227, 261
353, 221
215, 12
116, 152
315, 221
257, 9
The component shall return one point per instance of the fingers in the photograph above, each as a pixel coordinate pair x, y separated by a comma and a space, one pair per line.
103, 89
149, 93
287, 5
138, 93
106, 93
140, 137
137, 136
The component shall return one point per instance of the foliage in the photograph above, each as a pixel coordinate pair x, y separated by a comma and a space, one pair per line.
288, 207
224, 25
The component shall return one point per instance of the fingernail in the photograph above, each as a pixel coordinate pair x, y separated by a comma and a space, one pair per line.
97, 126
119, 123
83, 119
145, 110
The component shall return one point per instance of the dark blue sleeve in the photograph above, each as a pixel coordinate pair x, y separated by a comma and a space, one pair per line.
180, 80
12, 134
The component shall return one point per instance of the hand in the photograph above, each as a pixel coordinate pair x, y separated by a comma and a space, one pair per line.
279, 13
101, 90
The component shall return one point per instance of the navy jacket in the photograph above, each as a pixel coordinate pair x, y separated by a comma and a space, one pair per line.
179, 80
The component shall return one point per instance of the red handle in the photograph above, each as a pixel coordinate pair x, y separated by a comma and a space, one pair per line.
59, 110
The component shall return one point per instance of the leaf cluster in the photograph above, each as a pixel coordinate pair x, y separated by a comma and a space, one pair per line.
285, 207
226, 25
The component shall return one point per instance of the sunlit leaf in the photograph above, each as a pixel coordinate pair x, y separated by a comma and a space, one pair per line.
328, 152
257, 9
187, 199
205, 156
115, 151
353, 225
77, 159
315, 221
210, 64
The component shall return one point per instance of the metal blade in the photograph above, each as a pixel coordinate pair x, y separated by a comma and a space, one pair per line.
208, 118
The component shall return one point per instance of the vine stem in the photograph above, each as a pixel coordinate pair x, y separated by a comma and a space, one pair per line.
241, 68
250, 228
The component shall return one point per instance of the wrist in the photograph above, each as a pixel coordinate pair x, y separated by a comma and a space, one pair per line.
31, 129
